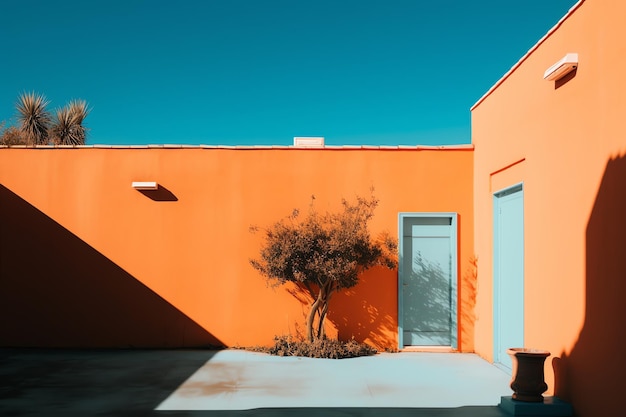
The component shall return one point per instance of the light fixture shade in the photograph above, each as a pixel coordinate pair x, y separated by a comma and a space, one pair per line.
565, 65
145, 185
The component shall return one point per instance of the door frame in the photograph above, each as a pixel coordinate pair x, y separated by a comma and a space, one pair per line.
519, 187
402, 216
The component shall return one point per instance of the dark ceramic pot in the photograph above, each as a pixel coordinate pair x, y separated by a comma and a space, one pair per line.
528, 382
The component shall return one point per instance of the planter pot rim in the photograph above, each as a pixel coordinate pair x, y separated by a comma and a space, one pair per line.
528, 352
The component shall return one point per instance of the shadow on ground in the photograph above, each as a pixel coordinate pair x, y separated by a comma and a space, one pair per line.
92, 382
472, 411
134, 382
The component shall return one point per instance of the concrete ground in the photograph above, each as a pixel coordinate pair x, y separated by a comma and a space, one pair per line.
239, 383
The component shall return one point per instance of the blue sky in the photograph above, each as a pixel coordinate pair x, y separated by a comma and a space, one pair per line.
259, 72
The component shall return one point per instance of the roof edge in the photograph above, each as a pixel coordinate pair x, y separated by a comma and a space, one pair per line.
527, 54
468, 146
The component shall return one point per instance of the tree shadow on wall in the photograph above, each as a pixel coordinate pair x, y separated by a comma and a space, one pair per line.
57, 291
592, 375
468, 304
368, 312
427, 302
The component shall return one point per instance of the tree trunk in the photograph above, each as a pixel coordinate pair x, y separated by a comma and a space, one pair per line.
321, 329
311, 318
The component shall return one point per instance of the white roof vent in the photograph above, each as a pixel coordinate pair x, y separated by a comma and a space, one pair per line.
308, 142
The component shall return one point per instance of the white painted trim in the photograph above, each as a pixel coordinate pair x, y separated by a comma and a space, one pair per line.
453, 266
519, 187
463, 146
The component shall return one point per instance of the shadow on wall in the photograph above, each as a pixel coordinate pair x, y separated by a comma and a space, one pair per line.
57, 291
368, 312
592, 375
468, 305
427, 301
160, 194
564, 80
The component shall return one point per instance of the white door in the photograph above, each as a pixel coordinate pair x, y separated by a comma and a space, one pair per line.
508, 273
427, 280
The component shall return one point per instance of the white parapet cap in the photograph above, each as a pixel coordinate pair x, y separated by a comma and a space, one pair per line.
145, 185
308, 142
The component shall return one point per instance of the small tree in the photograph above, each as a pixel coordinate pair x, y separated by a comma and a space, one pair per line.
10, 136
324, 253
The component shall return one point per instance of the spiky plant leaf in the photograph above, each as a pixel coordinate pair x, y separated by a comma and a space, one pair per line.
79, 109
34, 118
68, 127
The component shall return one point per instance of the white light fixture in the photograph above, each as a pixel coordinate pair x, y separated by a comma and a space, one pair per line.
145, 185
308, 142
567, 64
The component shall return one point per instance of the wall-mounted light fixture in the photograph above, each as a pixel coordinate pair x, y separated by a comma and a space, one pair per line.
145, 185
565, 65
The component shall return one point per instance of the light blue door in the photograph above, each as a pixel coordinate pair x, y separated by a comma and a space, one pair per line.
508, 273
428, 281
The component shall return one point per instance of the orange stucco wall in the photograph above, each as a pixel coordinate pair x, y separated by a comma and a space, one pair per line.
565, 141
85, 260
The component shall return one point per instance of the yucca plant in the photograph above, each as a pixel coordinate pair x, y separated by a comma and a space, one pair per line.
68, 127
34, 118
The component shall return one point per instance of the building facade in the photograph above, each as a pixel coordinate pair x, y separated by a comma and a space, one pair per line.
89, 261
549, 178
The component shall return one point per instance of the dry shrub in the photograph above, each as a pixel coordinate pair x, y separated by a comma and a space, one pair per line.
319, 348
